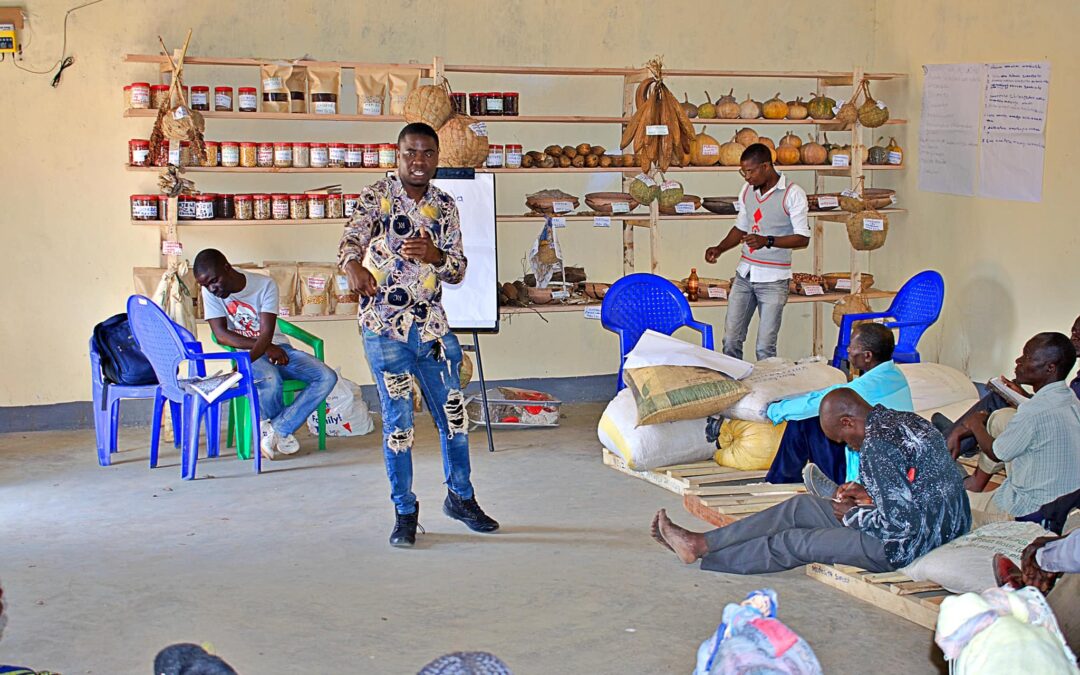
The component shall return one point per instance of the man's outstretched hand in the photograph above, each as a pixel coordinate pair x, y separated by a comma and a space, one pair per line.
360, 279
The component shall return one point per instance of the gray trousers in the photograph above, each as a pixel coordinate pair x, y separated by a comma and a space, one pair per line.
795, 532
768, 298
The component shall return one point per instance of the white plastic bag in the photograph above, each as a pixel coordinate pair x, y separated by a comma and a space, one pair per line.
346, 412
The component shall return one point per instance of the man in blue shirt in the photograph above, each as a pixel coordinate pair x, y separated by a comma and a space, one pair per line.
881, 382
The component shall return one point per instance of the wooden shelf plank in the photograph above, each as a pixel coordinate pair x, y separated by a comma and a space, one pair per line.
227, 61
226, 222
543, 119
825, 215
625, 170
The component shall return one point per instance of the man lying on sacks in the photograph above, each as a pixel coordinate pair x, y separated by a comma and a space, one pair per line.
909, 499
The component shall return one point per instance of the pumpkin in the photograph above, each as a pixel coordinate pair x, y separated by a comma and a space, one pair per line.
787, 154
791, 139
797, 110
462, 142
749, 109
775, 108
820, 107
429, 104
894, 147
768, 143
731, 153
727, 108
878, 154
704, 150
706, 110
872, 113
746, 137
813, 153
727, 98
689, 108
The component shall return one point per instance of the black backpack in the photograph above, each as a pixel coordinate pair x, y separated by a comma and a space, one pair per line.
121, 360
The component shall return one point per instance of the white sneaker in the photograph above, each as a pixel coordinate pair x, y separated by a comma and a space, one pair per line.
268, 438
287, 444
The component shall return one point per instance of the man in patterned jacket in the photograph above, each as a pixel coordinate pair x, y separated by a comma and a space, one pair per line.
401, 244
909, 500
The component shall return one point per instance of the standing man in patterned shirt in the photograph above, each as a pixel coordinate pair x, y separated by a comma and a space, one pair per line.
401, 244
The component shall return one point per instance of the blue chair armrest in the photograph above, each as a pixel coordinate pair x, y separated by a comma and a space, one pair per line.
904, 324
706, 333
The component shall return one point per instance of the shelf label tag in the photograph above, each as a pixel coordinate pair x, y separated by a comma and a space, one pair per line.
620, 207
828, 202
709, 149
670, 185
873, 224
560, 295
892, 199
684, 207
273, 84
172, 248
881, 104
813, 289
851, 192
558, 222
895, 158
601, 221
841, 160
843, 284
562, 207
656, 130
649, 182
836, 110
315, 283
479, 128
592, 312
180, 113
718, 292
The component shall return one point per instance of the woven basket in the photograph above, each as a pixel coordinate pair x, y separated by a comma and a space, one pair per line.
601, 201
850, 304
866, 281
862, 232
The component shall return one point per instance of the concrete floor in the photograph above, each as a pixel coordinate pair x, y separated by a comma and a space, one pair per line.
290, 571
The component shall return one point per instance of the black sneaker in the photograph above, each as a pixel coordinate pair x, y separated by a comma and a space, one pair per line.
468, 512
404, 534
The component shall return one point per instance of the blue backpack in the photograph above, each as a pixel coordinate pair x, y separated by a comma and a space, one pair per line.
122, 362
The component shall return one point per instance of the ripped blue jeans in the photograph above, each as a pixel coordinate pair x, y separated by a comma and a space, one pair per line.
436, 365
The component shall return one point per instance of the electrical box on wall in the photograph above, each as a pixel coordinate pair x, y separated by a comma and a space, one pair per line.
11, 21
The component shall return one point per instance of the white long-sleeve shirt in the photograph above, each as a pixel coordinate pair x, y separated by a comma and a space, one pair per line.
1061, 555
796, 206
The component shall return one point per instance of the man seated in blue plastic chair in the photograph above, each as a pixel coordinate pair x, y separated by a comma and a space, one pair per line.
241, 309
870, 352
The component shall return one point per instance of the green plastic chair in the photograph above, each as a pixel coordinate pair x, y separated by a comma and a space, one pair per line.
239, 432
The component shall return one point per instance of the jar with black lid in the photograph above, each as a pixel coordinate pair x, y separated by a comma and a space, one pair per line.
224, 206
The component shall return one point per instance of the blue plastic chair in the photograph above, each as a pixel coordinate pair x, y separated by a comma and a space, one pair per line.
915, 308
164, 346
642, 301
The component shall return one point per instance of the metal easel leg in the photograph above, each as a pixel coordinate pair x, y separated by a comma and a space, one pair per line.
475, 348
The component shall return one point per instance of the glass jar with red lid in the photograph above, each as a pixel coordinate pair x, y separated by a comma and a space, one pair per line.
264, 155
262, 206
371, 156
247, 99
316, 206
279, 206
200, 98
158, 93
334, 206
204, 207
336, 154
144, 207
245, 207
459, 102
350, 202
230, 153
139, 152
477, 104
510, 103
223, 99
354, 155
283, 155
494, 105
387, 156
320, 158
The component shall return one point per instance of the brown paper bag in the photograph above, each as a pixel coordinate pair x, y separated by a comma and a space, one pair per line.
346, 302
370, 91
275, 77
146, 280
314, 281
401, 83
325, 80
297, 84
283, 272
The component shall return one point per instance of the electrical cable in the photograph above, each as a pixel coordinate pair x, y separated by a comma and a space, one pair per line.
64, 61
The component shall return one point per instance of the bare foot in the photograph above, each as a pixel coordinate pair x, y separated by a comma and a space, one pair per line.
655, 531
687, 545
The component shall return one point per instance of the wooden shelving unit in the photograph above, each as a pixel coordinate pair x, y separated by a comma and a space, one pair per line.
651, 219
229, 222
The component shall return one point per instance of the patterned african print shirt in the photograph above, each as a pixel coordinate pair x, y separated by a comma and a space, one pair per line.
409, 293
917, 488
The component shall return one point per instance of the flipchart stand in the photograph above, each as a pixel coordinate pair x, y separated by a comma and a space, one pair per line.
475, 349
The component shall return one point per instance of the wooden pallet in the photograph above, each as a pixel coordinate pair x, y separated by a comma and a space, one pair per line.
722, 506
916, 601
698, 478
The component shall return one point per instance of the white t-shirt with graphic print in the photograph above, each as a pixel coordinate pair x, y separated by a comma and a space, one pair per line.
241, 310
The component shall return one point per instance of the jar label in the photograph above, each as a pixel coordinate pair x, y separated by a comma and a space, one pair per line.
223, 101
513, 159
873, 224
185, 209
717, 292
684, 207
316, 209
562, 207
494, 159
200, 98
139, 156
283, 154
140, 97
249, 101
172, 248
494, 104
319, 157
841, 160
372, 106
337, 154
230, 155
709, 149
325, 107
601, 221
895, 157
387, 158
843, 284
828, 202
479, 128
350, 207
281, 209
265, 155
354, 157
620, 207
144, 211
273, 84
174, 155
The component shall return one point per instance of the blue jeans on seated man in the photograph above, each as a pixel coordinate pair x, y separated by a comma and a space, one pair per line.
437, 366
768, 298
320, 380
804, 441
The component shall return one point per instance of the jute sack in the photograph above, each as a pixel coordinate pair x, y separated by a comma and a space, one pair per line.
652, 446
776, 378
748, 446
671, 393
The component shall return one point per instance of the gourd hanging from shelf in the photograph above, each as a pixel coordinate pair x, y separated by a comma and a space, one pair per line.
872, 113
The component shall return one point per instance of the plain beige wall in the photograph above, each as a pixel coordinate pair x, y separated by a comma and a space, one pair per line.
64, 225
1010, 267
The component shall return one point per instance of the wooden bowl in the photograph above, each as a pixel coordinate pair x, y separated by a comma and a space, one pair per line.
544, 200
601, 201
724, 206
692, 199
